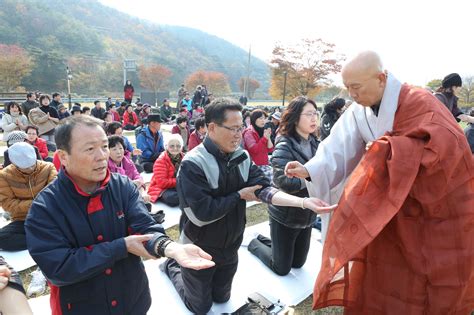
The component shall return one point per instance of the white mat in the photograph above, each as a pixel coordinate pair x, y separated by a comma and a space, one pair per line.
20, 260
251, 276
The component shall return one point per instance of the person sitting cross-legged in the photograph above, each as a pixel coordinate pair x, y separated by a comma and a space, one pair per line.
120, 163
33, 139
150, 142
130, 119
163, 182
20, 183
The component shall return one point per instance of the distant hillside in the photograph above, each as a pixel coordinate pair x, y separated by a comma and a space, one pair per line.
94, 39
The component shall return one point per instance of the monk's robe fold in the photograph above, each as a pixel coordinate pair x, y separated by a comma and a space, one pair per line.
402, 238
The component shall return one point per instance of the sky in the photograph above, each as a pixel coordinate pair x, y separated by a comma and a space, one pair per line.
417, 40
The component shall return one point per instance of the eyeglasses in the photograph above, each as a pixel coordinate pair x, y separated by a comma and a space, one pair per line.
311, 114
174, 146
233, 130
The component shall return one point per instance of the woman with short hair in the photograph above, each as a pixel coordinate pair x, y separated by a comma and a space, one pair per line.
256, 140
163, 183
130, 119
120, 163
13, 119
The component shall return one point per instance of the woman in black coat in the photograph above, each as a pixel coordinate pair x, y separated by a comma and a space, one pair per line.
331, 113
290, 227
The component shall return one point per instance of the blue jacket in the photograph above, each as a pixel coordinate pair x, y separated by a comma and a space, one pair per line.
146, 143
77, 240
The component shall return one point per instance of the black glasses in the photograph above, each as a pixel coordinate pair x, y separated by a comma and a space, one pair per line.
234, 130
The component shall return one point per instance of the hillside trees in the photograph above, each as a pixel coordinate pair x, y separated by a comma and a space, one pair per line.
307, 65
91, 76
253, 85
216, 82
155, 77
54, 31
14, 65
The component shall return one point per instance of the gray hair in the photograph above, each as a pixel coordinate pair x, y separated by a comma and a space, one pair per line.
174, 136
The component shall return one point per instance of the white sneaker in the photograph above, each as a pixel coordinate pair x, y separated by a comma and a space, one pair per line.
37, 285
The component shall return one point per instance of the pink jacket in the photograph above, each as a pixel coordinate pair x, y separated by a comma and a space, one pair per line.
127, 168
256, 146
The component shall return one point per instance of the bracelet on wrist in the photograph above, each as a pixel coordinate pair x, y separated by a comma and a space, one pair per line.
302, 203
160, 248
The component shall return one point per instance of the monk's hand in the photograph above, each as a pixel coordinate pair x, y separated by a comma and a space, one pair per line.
189, 256
248, 193
135, 245
296, 169
318, 206
368, 145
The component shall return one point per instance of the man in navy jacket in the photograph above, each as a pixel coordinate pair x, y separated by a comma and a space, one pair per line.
88, 229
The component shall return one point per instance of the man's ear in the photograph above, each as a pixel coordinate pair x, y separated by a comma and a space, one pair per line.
211, 127
63, 157
382, 76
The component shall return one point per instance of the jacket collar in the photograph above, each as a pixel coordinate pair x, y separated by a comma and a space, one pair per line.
64, 177
212, 148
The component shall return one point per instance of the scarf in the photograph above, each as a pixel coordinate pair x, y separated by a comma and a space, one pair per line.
184, 135
130, 118
258, 130
176, 160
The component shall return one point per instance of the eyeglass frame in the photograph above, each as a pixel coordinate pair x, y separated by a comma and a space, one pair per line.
233, 130
311, 114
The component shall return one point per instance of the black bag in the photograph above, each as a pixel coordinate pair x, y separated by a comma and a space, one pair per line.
259, 305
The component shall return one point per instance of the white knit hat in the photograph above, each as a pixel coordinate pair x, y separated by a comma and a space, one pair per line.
22, 155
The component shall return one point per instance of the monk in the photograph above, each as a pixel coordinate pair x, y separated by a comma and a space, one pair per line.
402, 238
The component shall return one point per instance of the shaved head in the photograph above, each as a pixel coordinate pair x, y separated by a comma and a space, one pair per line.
365, 78
367, 62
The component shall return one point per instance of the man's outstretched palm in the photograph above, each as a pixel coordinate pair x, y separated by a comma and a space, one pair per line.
189, 256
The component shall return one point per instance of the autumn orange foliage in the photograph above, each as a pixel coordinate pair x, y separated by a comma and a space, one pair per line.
216, 82
307, 65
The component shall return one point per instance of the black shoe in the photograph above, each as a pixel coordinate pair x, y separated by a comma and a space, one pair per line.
159, 217
264, 240
148, 206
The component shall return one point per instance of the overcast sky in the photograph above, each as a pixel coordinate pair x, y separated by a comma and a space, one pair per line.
418, 40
